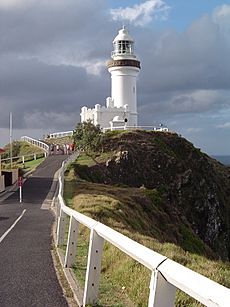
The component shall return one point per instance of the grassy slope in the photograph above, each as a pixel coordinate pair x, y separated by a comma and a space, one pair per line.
139, 214
21, 148
60, 141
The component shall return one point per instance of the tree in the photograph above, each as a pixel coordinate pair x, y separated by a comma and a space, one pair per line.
88, 137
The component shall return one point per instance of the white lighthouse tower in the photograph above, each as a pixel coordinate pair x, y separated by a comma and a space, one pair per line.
124, 68
121, 108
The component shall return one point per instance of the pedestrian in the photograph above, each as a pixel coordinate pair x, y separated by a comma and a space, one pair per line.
67, 149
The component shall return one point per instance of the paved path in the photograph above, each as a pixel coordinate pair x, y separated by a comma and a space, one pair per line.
27, 274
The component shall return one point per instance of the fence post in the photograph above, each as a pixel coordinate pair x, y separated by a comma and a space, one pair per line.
71, 248
35, 156
93, 269
162, 293
61, 228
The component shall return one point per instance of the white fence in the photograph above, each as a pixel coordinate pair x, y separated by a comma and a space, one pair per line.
60, 134
167, 275
125, 127
37, 143
23, 159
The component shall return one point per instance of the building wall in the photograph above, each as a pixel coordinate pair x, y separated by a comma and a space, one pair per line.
102, 115
2, 183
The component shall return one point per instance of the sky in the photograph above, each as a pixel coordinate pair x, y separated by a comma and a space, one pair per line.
53, 56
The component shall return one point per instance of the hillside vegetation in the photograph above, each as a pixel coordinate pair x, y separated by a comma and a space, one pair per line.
159, 190
21, 148
60, 140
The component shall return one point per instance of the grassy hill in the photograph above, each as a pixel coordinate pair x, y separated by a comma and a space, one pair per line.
154, 188
60, 140
21, 148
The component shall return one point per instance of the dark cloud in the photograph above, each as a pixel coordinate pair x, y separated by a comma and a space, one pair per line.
53, 56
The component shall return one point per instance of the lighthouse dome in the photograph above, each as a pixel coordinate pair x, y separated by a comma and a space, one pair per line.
123, 35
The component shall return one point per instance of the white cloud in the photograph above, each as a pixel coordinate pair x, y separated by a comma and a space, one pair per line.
9, 4
224, 126
143, 13
221, 16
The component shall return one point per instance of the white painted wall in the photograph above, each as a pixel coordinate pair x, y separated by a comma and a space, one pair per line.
103, 115
124, 89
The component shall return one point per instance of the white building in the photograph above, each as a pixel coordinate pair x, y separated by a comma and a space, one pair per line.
121, 107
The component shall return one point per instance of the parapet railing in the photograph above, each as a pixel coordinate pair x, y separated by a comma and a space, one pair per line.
35, 142
167, 275
60, 134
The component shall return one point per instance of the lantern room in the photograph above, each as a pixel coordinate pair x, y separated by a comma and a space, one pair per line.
123, 44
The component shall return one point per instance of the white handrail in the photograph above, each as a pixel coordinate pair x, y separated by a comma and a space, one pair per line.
167, 275
149, 128
35, 142
60, 134
23, 156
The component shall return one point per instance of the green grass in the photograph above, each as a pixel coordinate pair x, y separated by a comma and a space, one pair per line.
31, 165
27, 166
140, 214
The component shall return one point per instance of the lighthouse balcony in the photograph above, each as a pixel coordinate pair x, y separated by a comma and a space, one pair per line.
123, 62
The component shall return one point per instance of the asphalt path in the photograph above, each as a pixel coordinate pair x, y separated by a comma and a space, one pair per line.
27, 273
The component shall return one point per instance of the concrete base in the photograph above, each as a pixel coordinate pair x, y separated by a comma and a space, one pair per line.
2, 183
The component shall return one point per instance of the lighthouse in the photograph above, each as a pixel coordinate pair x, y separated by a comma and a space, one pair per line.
120, 110
124, 68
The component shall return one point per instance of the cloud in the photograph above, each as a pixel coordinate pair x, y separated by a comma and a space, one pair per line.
194, 130
141, 14
53, 62
224, 126
10, 4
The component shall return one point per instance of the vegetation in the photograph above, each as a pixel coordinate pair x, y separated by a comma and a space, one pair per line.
21, 148
159, 190
138, 213
88, 138
31, 165
60, 140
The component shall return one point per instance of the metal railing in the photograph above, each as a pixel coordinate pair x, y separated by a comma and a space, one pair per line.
60, 134
37, 143
167, 275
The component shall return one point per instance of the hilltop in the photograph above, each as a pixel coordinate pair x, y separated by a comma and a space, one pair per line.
194, 188
161, 191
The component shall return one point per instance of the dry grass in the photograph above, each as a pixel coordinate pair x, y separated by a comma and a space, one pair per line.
125, 282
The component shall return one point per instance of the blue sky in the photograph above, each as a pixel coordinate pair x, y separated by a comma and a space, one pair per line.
181, 12
53, 58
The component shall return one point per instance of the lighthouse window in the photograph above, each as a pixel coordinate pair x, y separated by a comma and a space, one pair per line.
122, 47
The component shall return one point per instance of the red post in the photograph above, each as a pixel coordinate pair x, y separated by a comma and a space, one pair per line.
20, 182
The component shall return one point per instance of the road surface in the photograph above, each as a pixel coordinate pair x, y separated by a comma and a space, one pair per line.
27, 274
